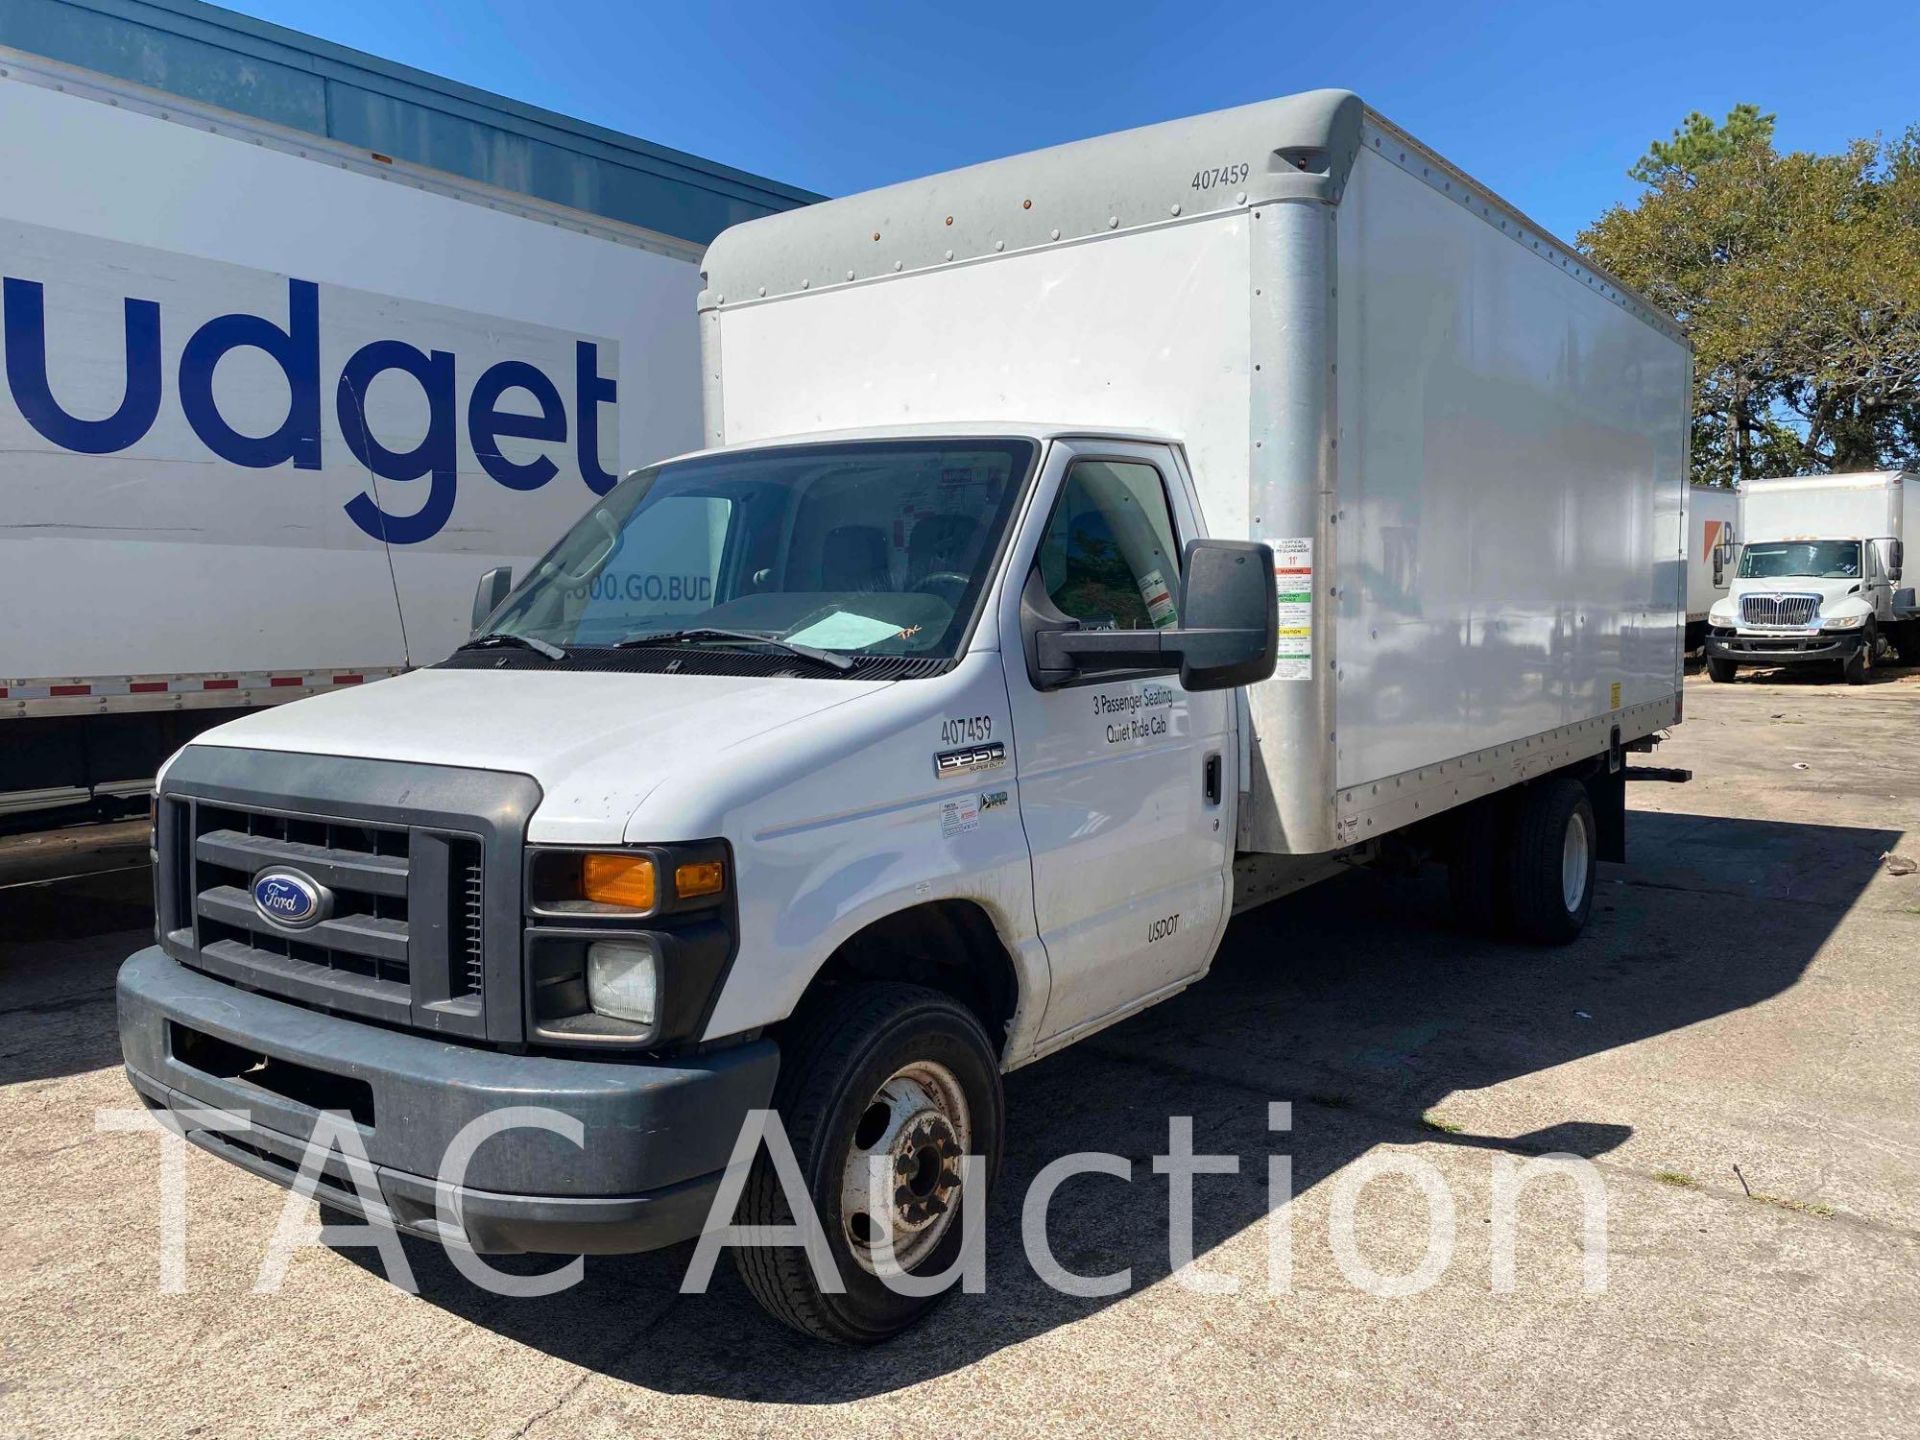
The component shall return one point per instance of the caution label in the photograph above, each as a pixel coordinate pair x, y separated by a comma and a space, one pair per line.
1293, 584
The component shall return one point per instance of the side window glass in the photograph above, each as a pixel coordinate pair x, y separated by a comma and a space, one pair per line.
1109, 558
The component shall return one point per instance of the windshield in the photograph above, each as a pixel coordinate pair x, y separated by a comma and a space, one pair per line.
864, 548
1811, 559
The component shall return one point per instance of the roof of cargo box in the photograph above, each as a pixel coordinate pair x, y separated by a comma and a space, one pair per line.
1297, 147
391, 112
1852, 480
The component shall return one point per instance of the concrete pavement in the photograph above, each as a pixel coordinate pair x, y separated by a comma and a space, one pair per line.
1748, 995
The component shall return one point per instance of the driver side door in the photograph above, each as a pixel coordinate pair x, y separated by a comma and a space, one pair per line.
1126, 779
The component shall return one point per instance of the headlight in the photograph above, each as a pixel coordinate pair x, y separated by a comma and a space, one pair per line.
1842, 622
626, 947
623, 980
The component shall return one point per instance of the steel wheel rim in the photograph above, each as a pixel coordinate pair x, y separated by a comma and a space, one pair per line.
920, 1125
1573, 863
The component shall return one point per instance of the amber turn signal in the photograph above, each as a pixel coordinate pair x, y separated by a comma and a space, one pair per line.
624, 880
708, 877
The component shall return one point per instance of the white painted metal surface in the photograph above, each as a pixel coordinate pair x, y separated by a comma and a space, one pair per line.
1711, 516
156, 555
1512, 478
1869, 506
1130, 855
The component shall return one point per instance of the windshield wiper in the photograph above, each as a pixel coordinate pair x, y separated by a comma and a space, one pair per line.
521, 642
712, 632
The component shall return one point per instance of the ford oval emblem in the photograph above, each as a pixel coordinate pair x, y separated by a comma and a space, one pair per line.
289, 898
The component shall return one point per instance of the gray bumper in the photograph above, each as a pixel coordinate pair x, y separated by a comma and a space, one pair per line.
1825, 647
654, 1137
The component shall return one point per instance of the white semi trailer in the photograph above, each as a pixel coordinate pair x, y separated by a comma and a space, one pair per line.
1092, 544
1712, 511
271, 395
1820, 580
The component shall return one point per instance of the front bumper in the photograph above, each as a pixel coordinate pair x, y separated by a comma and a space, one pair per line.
655, 1137
1760, 649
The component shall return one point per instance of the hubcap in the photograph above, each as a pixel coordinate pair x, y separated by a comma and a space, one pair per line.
1573, 863
917, 1126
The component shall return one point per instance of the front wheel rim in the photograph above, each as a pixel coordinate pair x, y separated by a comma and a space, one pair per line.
1575, 851
918, 1125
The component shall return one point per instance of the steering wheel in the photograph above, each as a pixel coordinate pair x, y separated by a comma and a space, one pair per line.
947, 585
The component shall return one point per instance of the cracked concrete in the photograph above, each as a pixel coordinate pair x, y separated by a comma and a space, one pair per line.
1748, 995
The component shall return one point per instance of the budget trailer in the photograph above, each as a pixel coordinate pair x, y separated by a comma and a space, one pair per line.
296, 339
1091, 544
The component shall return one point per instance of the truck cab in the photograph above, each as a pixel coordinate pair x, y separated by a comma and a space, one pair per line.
1819, 577
940, 722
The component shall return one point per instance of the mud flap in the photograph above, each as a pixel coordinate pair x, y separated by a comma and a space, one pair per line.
1607, 790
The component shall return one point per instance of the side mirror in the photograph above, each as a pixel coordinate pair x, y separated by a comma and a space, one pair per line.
1896, 559
1719, 568
492, 589
1228, 633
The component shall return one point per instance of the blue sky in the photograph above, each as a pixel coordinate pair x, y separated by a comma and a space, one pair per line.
1548, 104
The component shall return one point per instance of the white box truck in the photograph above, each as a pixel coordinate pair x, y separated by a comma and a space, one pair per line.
1091, 544
1711, 514
270, 396
1819, 580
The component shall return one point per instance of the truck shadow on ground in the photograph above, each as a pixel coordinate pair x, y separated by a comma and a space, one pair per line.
1887, 672
61, 944
1350, 1000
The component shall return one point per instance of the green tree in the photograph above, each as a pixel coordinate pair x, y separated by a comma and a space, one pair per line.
1699, 142
1797, 278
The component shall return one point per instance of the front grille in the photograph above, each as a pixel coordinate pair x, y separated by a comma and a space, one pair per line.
422, 864
360, 949
467, 893
367, 957
1779, 609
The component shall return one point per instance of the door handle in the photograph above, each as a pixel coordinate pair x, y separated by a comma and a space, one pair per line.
1210, 779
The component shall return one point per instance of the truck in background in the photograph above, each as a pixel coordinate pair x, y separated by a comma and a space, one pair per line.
1711, 513
276, 382
1819, 580
1074, 567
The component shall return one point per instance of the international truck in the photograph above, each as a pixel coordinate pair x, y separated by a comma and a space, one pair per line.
1089, 545
1819, 581
1712, 511
294, 341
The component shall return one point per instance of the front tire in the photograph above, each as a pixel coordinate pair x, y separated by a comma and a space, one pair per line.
1721, 672
1552, 862
879, 1069
1858, 666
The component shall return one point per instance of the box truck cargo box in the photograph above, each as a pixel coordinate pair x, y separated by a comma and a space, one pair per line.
1466, 447
1091, 544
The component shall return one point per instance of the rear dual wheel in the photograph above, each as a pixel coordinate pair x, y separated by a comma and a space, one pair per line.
1525, 866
